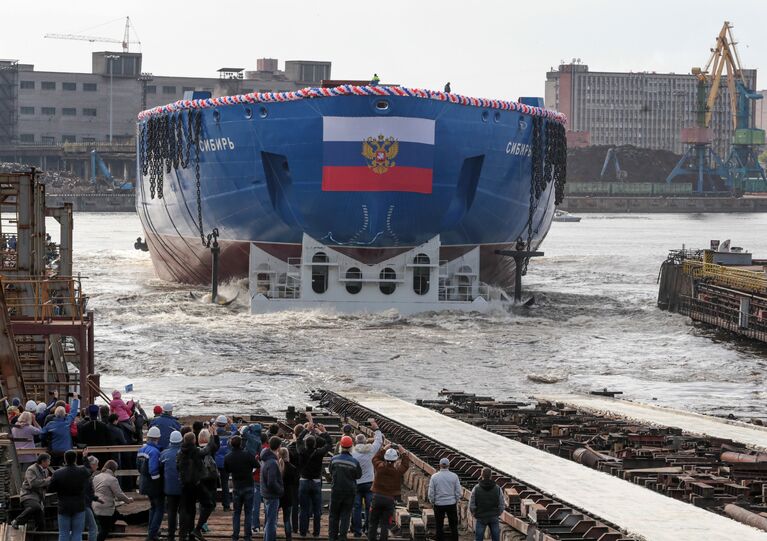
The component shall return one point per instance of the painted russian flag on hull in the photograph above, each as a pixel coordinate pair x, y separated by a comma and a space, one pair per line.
377, 154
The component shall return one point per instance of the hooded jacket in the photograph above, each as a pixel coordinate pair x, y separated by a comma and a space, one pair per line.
171, 481
223, 448
271, 476
36, 479
167, 424
486, 502
107, 489
57, 431
252, 436
120, 408
364, 453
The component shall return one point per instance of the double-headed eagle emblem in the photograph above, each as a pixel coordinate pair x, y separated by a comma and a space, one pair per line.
380, 152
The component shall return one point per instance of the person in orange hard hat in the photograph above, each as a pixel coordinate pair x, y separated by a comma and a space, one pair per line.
344, 472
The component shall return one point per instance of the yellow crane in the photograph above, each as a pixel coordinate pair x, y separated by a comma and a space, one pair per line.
710, 172
724, 55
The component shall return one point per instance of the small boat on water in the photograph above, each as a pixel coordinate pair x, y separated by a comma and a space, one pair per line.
564, 216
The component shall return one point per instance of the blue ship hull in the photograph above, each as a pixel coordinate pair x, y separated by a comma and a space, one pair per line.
261, 180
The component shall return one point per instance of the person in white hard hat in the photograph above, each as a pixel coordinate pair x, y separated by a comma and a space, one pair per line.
389, 466
166, 423
150, 481
171, 482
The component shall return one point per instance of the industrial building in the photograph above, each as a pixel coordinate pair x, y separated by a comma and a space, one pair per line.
54, 119
761, 111
644, 109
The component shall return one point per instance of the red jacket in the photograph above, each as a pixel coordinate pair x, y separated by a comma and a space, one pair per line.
257, 471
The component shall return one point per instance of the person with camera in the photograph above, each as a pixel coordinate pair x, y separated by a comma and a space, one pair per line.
389, 466
313, 444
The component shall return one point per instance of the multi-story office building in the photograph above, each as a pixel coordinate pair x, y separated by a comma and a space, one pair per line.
761, 111
43, 113
644, 109
60, 107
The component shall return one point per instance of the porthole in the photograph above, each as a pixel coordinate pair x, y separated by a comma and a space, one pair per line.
354, 286
248, 113
497, 117
382, 105
387, 288
216, 115
262, 112
485, 116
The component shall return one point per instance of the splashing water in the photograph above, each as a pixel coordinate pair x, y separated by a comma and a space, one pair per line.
594, 325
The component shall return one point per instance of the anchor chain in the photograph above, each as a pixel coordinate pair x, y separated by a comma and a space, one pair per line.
165, 145
559, 160
537, 185
197, 127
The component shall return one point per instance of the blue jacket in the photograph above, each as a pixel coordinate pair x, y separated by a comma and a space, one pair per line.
57, 431
271, 478
148, 462
223, 450
167, 424
172, 482
252, 437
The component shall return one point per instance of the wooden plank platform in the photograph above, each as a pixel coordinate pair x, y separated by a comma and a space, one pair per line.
636, 509
693, 423
220, 527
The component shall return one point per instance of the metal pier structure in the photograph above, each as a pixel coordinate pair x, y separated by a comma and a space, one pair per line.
723, 289
47, 328
747, 434
549, 497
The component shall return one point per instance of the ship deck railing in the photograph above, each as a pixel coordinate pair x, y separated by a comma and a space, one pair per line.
740, 279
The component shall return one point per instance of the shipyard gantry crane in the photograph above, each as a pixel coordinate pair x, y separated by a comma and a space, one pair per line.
700, 159
125, 41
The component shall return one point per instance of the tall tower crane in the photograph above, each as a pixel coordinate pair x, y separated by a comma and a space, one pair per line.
125, 41
700, 159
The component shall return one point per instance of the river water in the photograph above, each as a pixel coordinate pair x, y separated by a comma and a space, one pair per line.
595, 325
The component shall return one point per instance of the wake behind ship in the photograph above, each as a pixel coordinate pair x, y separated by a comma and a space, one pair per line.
383, 192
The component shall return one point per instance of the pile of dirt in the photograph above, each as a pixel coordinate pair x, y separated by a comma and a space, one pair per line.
640, 164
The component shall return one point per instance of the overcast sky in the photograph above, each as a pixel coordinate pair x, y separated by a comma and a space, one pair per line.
491, 49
